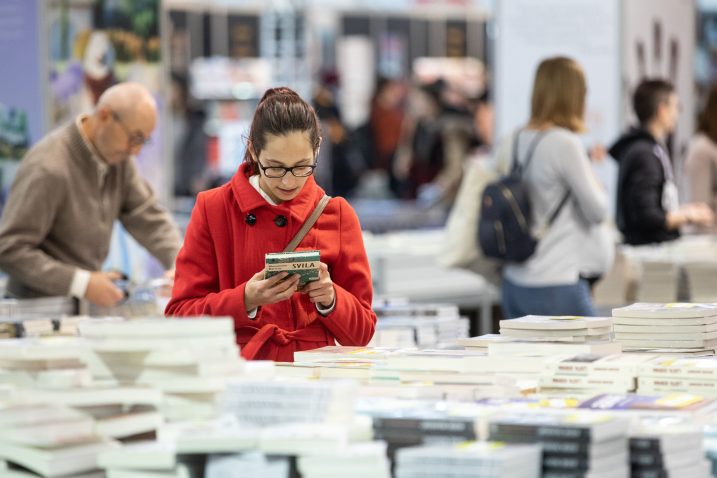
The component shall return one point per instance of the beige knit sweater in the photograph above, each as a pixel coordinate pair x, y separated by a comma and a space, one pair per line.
59, 218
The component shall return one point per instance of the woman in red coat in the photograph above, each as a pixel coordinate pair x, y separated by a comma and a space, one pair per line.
220, 267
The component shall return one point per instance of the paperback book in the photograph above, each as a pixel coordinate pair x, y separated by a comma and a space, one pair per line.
304, 263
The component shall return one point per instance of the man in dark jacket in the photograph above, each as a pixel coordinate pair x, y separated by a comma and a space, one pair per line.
648, 209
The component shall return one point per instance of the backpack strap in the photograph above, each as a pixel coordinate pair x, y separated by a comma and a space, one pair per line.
308, 224
518, 168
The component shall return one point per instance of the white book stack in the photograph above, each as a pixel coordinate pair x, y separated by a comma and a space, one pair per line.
573, 444
480, 343
419, 331
592, 373
667, 447
118, 412
50, 440
700, 280
356, 460
247, 464
401, 309
682, 328
658, 282
697, 375
41, 307
469, 459
272, 402
558, 328
447, 371
189, 359
544, 336
44, 362
219, 435
143, 459
612, 290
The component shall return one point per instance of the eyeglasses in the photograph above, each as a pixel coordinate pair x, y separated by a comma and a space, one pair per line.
276, 172
133, 138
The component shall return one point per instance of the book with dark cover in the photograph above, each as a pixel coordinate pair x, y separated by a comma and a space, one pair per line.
304, 263
646, 459
434, 426
574, 426
649, 473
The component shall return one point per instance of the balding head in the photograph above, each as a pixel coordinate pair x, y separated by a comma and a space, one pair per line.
127, 99
125, 116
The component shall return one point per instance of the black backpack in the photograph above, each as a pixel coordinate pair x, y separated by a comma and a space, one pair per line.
504, 223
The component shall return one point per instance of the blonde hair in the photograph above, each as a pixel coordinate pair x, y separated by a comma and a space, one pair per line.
559, 93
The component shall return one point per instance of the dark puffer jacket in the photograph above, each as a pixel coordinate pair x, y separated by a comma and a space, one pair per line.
640, 214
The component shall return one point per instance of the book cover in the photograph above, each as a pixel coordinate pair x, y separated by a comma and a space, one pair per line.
668, 311
672, 403
304, 263
558, 322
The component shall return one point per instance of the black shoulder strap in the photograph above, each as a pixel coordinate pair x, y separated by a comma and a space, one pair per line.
555, 213
518, 168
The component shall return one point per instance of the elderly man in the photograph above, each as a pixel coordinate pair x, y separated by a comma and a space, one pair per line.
70, 188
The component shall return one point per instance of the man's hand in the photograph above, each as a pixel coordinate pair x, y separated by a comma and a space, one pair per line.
259, 291
321, 291
102, 291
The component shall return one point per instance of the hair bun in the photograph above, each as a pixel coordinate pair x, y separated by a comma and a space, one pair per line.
280, 90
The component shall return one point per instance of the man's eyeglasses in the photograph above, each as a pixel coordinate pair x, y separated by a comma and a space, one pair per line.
276, 172
133, 138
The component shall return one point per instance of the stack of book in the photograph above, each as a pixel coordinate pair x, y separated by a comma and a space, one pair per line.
681, 328
416, 427
666, 447
658, 282
44, 362
39, 308
218, 435
419, 331
24, 327
558, 328
356, 460
592, 373
424, 325
119, 412
710, 444
189, 359
252, 463
573, 444
49, 440
700, 280
612, 290
689, 406
143, 458
483, 459
263, 402
696, 375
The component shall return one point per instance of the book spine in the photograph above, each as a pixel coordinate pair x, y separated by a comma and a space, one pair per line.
541, 432
426, 426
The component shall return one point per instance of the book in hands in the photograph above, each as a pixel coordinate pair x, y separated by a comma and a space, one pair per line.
304, 263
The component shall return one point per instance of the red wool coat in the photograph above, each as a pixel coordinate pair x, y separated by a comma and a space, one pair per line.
222, 251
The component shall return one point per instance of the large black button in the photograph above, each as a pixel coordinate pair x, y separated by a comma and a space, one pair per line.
250, 219
280, 221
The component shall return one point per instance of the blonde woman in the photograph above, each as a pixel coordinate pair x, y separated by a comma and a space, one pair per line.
559, 172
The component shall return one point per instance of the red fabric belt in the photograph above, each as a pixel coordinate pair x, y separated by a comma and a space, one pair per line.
256, 338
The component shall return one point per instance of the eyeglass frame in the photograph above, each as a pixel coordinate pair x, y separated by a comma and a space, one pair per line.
286, 170
134, 139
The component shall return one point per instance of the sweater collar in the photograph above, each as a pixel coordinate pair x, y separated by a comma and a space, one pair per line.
249, 198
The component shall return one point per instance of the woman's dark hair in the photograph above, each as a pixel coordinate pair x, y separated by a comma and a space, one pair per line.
280, 112
708, 117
